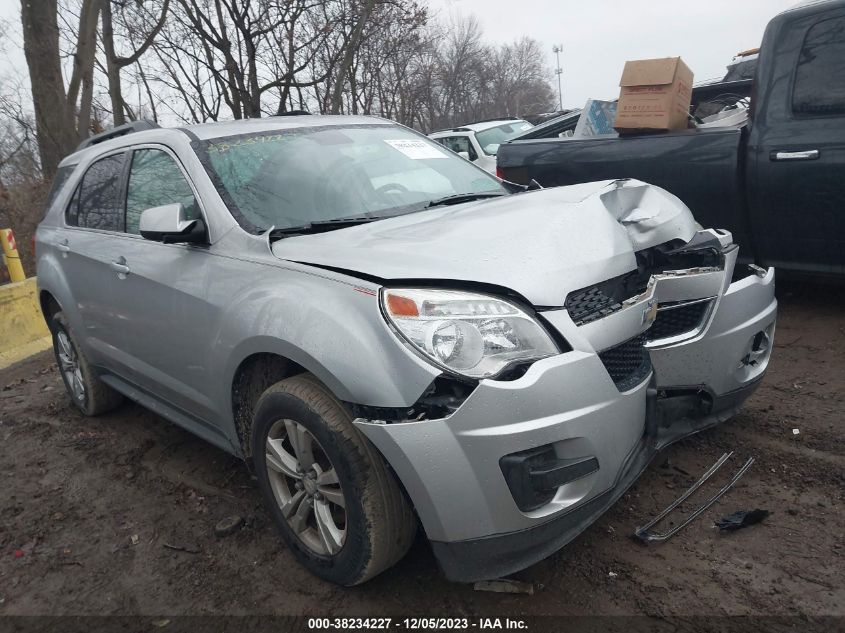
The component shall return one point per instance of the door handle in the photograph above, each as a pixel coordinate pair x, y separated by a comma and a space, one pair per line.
807, 154
120, 267
63, 246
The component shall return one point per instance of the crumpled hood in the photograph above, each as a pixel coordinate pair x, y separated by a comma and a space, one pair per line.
540, 244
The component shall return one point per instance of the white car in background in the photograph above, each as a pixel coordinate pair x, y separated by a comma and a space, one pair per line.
478, 142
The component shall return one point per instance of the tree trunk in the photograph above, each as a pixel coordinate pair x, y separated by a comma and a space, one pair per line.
54, 120
349, 54
82, 80
112, 67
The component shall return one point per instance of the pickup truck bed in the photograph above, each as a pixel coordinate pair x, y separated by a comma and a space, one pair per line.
777, 182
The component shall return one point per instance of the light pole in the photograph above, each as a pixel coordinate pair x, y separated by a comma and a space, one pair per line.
557, 50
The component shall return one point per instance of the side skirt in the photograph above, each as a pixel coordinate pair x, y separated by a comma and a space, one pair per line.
191, 423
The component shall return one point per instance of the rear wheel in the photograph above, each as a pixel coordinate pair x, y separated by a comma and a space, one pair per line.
90, 395
337, 506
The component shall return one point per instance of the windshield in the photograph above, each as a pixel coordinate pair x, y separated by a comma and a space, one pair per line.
292, 178
489, 140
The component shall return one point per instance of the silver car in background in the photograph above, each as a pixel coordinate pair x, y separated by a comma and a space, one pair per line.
479, 142
390, 336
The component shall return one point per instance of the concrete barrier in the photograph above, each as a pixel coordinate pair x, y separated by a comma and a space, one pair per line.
23, 331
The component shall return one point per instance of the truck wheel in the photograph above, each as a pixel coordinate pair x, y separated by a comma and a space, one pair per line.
90, 394
337, 506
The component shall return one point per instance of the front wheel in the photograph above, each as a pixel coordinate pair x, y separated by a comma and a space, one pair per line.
337, 506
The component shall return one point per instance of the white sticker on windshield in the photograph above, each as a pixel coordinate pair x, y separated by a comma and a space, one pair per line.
416, 149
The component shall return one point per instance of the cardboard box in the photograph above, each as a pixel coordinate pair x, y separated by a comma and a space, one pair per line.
655, 94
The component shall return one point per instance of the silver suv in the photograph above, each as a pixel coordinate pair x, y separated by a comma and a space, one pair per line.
391, 337
479, 142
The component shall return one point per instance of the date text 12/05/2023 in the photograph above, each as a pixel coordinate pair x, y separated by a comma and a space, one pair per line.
416, 623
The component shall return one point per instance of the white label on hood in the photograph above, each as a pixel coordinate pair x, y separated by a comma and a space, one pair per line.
416, 149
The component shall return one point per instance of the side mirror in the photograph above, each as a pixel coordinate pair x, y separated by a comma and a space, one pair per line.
464, 155
167, 224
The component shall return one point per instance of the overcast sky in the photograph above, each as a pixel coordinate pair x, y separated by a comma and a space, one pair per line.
597, 36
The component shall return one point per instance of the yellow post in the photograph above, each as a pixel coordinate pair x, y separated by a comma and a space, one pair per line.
11, 255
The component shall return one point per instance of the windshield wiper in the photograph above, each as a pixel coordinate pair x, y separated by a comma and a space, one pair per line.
462, 197
321, 226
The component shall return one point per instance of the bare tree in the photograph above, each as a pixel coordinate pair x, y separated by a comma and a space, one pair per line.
250, 49
199, 60
62, 116
181, 68
136, 28
18, 147
521, 83
461, 79
383, 62
269, 56
350, 47
296, 43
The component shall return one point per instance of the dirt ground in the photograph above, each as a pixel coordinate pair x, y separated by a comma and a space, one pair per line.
116, 515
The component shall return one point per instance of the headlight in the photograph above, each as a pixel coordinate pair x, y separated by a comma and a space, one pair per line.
467, 333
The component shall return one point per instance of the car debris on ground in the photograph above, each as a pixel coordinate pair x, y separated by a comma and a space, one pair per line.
505, 585
644, 533
741, 519
228, 525
182, 548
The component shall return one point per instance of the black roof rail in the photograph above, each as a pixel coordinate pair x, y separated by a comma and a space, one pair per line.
294, 113
120, 130
464, 128
498, 118
451, 129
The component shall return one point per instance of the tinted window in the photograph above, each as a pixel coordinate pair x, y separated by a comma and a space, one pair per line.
156, 180
59, 181
459, 144
820, 77
72, 213
97, 203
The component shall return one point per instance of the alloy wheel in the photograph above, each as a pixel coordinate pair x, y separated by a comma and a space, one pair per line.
70, 367
306, 487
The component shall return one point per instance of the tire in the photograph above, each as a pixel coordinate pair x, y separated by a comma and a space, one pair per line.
87, 392
373, 526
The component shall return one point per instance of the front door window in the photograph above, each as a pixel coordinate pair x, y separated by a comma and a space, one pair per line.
155, 180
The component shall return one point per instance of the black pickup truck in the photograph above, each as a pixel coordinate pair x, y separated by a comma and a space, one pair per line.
778, 182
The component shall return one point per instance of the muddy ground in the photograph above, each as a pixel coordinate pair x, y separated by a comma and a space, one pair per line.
116, 515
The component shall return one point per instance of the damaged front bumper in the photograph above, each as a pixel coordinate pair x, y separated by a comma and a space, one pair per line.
523, 466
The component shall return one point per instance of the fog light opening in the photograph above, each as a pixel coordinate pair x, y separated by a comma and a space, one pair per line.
758, 349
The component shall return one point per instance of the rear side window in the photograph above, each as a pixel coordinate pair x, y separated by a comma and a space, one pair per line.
59, 181
459, 144
820, 76
155, 180
97, 202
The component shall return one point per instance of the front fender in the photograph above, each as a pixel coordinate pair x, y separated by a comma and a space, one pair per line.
329, 324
